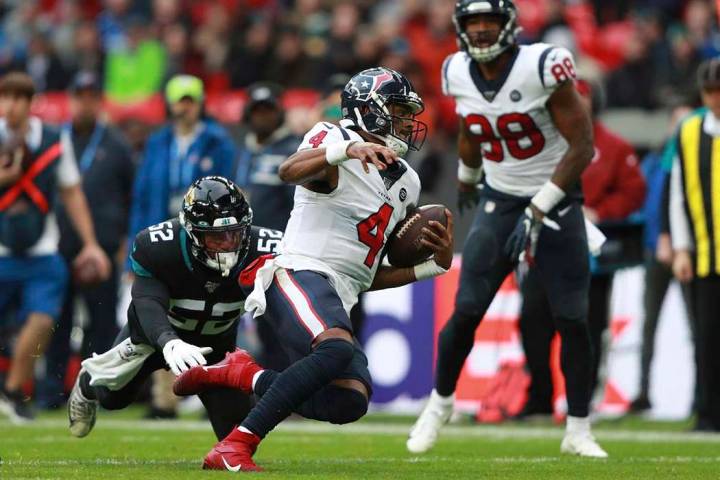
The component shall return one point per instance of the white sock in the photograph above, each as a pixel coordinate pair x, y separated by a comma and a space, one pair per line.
444, 401
255, 378
577, 424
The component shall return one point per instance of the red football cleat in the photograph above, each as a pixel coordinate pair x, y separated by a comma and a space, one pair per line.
236, 370
234, 453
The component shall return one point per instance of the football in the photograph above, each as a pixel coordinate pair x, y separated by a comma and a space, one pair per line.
405, 248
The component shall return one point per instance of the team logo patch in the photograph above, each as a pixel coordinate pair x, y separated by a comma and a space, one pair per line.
403, 194
489, 95
211, 286
515, 96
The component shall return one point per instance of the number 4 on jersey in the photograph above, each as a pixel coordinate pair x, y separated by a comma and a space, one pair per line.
371, 232
317, 139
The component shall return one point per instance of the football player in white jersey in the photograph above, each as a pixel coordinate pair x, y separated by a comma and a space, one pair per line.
353, 188
522, 122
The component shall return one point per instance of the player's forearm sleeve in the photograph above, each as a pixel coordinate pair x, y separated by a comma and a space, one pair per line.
679, 225
150, 299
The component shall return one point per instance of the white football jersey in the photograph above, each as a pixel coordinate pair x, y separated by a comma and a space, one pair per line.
345, 231
521, 146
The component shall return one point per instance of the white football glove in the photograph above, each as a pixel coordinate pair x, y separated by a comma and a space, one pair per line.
181, 356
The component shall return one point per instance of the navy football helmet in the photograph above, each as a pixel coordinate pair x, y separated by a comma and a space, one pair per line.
465, 9
366, 99
217, 217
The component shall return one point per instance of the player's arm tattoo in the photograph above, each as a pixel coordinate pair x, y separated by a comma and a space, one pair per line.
575, 125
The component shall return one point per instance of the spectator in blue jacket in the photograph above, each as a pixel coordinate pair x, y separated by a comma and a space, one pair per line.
188, 147
267, 143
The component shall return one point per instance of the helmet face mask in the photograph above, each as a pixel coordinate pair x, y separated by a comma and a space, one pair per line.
478, 44
217, 218
383, 103
224, 241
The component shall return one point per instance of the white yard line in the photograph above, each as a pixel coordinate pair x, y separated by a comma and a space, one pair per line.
476, 431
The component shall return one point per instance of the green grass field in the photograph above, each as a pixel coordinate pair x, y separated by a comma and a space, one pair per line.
124, 447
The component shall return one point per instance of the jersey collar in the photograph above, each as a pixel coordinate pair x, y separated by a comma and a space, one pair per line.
490, 88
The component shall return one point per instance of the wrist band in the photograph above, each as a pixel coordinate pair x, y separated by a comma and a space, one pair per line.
548, 196
467, 174
336, 153
428, 269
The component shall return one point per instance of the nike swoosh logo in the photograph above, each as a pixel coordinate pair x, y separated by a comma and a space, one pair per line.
230, 467
564, 211
213, 366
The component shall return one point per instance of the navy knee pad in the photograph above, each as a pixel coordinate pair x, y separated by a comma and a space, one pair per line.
345, 405
297, 385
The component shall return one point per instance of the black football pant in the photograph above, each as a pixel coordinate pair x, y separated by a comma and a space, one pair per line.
537, 330
706, 306
226, 407
562, 265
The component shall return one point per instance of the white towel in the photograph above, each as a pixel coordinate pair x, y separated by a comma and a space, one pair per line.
256, 302
115, 368
595, 238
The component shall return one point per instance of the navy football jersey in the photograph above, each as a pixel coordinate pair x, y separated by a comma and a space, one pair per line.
203, 304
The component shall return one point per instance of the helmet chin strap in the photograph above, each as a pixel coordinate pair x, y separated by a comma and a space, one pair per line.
398, 146
359, 120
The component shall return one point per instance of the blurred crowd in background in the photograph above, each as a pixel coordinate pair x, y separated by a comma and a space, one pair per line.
644, 51
287, 61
